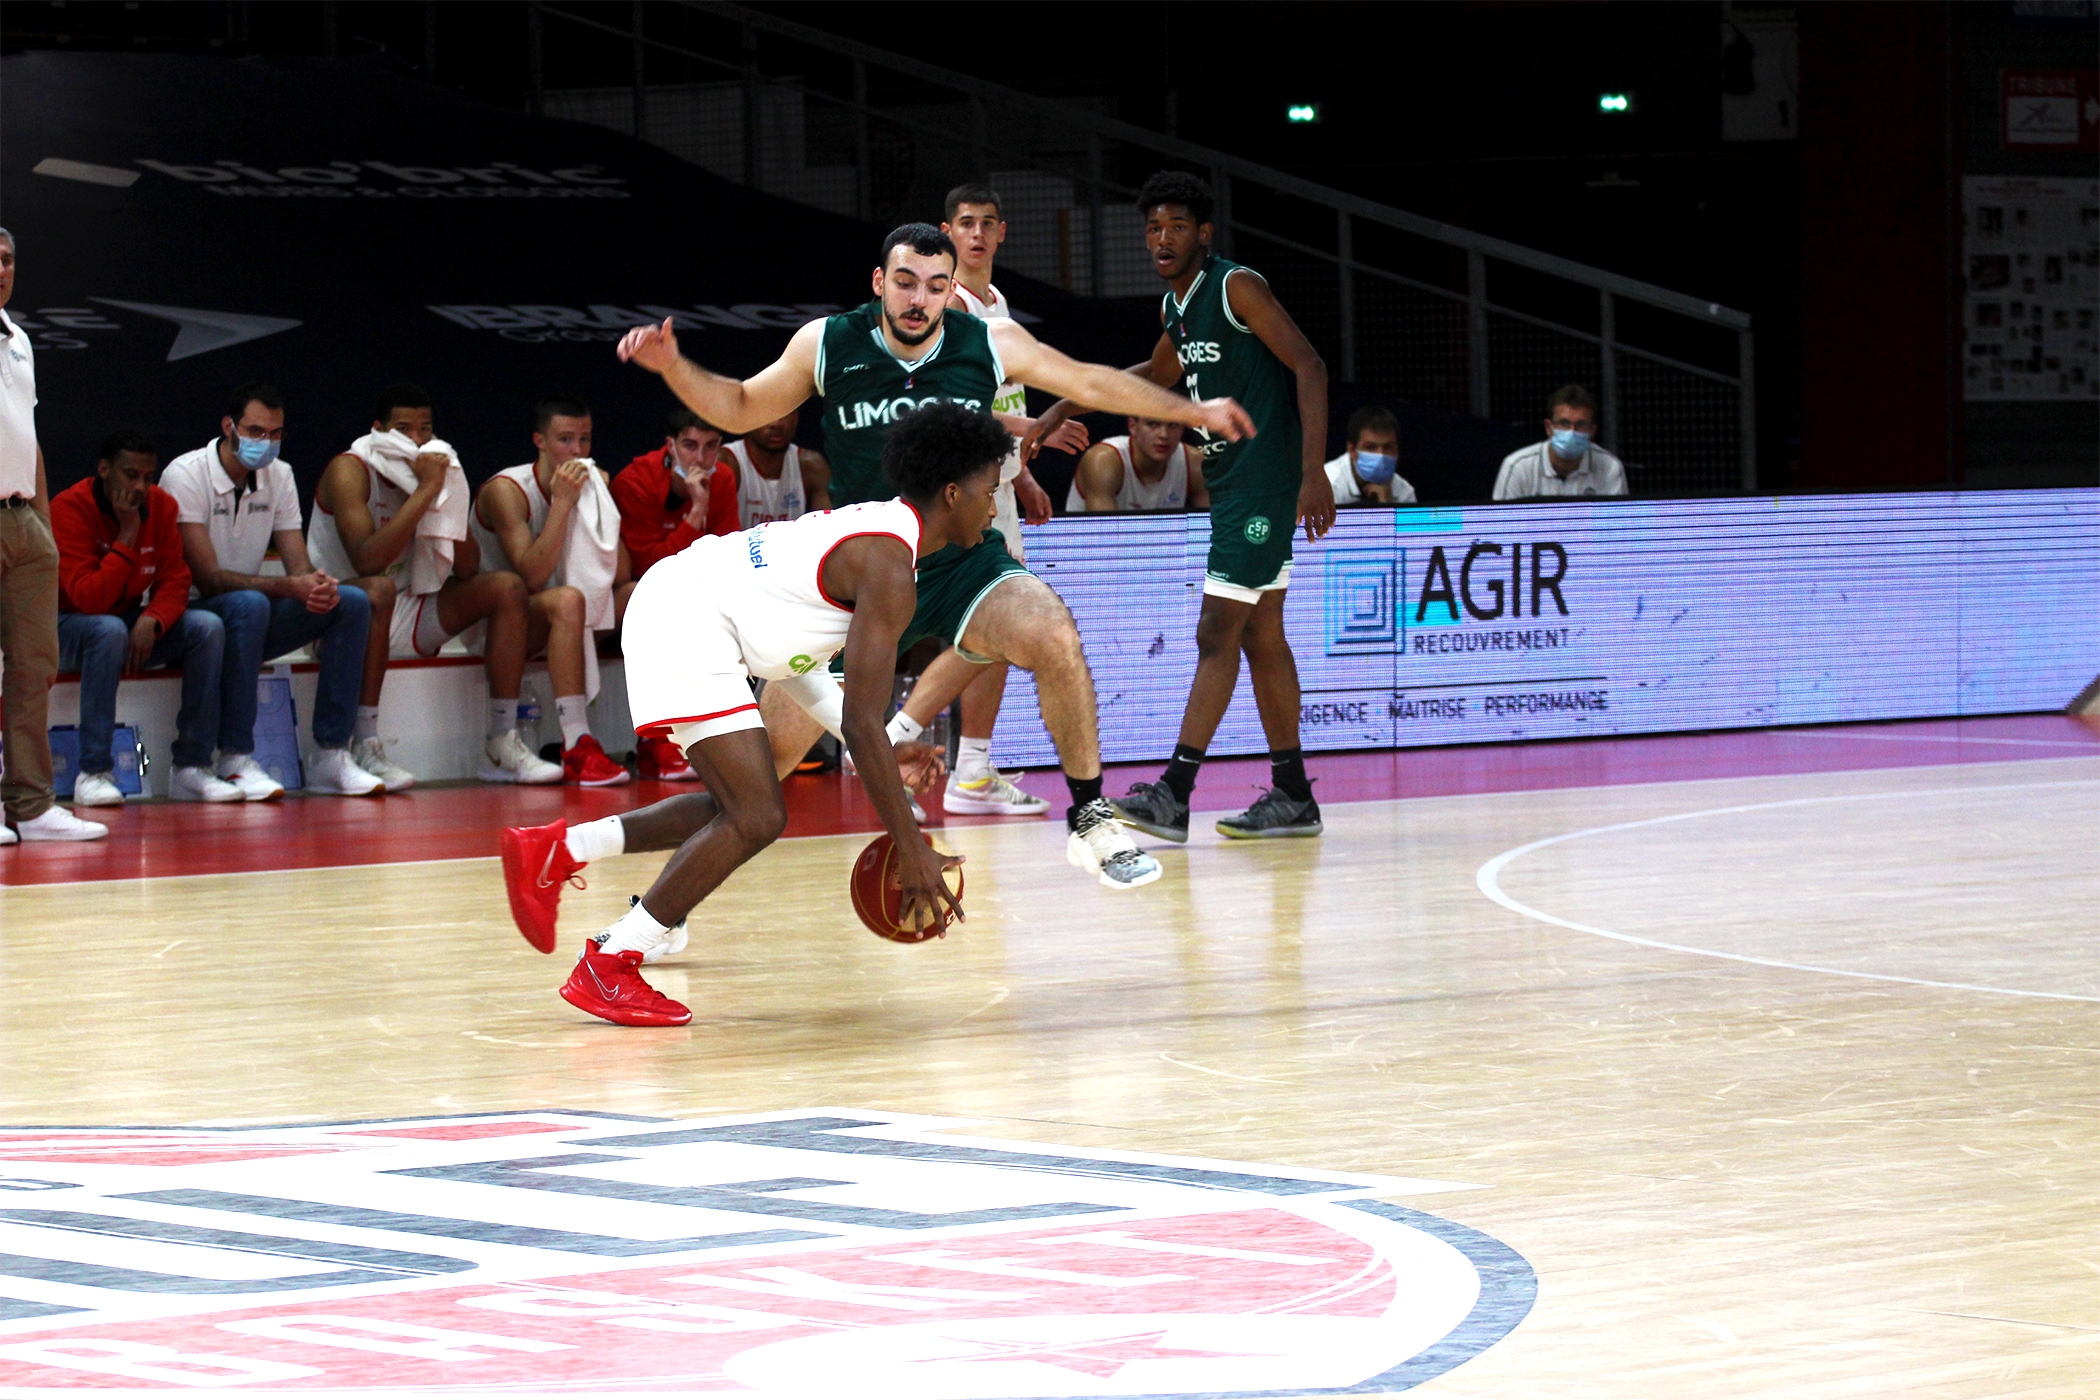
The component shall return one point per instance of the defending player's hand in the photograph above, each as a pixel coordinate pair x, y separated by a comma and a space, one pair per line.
926, 896
1224, 418
1051, 430
652, 347
919, 765
1316, 505
1032, 498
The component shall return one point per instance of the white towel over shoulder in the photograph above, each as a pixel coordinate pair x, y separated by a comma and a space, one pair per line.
444, 525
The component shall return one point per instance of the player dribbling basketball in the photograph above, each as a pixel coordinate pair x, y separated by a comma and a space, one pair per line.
776, 602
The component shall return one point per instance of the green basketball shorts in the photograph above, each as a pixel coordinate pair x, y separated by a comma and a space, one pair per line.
1250, 542
951, 585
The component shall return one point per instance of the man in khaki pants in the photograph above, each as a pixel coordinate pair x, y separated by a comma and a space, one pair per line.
28, 597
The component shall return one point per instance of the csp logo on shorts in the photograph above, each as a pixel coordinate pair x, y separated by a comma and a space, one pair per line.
1257, 529
806, 1253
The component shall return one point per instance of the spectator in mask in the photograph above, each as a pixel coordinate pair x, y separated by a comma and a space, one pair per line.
1568, 462
1367, 471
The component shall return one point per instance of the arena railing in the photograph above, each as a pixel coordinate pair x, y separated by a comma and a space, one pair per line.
1398, 303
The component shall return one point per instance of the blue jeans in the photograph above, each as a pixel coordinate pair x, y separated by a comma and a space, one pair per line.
258, 628
95, 644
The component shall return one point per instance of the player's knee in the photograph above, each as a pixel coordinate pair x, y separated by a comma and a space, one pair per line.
565, 605
1217, 634
760, 821
380, 591
507, 591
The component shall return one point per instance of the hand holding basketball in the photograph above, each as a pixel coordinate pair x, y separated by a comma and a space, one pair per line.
907, 900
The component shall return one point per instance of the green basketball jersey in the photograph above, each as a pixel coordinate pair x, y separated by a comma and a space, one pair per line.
866, 388
1220, 358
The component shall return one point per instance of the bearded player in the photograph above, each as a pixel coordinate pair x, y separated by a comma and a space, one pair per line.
899, 352
777, 602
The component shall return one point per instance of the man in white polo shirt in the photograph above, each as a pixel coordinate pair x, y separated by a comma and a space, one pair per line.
1367, 472
28, 597
1568, 462
235, 497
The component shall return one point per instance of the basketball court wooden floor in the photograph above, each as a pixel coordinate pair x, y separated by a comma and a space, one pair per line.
1737, 1065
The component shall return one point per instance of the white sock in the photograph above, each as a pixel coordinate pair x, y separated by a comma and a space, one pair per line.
367, 726
575, 713
635, 932
973, 760
503, 717
598, 839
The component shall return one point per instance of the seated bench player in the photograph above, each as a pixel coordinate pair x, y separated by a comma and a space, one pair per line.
124, 594
554, 523
1149, 468
1366, 472
775, 479
775, 602
395, 506
668, 498
235, 498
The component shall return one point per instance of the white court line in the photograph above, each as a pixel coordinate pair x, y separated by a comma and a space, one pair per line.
1931, 739
1488, 878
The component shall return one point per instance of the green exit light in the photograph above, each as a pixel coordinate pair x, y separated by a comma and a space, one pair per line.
1615, 102
1302, 113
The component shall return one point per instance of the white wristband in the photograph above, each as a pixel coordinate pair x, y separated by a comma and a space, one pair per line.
903, 728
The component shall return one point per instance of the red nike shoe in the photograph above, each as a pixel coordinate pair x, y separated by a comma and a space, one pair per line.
586, 765
610, 987
656, 756
536, 864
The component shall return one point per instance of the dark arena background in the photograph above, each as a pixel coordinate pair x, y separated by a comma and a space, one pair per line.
1629, 933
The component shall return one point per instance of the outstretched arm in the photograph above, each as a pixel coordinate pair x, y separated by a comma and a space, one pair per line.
1259, 311
733, 405
1111, 390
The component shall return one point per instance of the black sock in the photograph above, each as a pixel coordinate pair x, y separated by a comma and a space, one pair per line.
1180, 776
1287, 772
1083, 790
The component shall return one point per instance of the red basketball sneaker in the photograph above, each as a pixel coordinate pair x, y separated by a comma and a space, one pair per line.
656, 756
536, 864
587, 766
610, 987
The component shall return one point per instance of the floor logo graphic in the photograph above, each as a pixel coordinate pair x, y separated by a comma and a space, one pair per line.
809, 1254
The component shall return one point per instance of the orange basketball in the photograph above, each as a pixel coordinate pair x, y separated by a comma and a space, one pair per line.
878, 897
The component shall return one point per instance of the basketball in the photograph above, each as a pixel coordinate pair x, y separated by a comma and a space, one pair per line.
878, 897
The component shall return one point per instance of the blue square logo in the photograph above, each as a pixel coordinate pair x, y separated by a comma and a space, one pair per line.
1362, 602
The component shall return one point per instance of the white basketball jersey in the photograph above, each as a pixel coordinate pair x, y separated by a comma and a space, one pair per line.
1011, 398
324, 544
766, 582
759, 500
492, 555
1170, 492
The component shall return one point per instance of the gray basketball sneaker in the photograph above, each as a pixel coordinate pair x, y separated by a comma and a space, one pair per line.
1274, 814
1153, 809
1099, 843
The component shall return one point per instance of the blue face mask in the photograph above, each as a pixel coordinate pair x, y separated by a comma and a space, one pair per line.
1377, 468
255, 453
1569, 444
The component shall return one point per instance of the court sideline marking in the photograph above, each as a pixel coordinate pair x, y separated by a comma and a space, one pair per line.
1488, 879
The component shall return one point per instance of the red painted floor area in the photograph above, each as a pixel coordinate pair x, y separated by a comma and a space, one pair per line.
157, 839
